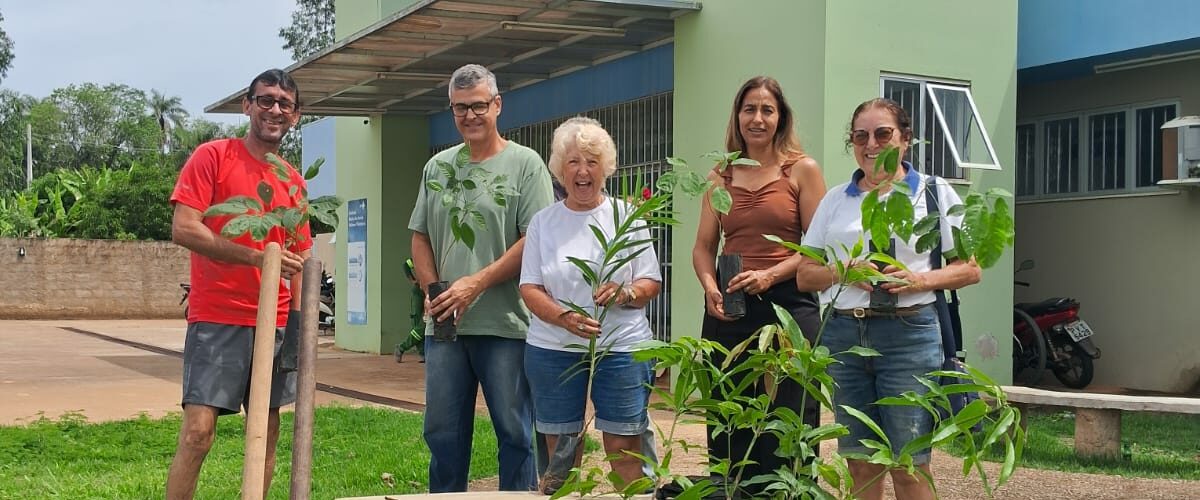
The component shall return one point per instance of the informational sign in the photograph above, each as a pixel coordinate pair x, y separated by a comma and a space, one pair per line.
356, 262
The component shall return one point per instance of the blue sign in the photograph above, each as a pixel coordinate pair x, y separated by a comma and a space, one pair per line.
356, 262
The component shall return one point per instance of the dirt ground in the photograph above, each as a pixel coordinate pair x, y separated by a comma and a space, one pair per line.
108, 370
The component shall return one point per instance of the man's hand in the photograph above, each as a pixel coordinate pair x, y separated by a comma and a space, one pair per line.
290, 264
453, 302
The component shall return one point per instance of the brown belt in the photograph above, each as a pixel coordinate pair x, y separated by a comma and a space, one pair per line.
863, 312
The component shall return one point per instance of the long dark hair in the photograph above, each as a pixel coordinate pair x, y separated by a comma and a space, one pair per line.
784, 140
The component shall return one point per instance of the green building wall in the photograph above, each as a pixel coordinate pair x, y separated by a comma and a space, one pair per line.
829, 56
379, 158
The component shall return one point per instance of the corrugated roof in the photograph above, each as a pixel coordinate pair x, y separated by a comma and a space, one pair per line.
401, 64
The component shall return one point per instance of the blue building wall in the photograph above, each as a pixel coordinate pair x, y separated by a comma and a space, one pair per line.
1055, 31
642, 74
319, 142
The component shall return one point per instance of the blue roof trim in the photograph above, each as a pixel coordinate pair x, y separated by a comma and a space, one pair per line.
1078, 68
638, 75
910, 176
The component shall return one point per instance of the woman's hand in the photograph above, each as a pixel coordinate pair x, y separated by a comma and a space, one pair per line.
910, 282
751, 282
612, 293
714, 304
579, 325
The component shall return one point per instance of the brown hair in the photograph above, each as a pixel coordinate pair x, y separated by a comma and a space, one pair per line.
784, 141
903, 121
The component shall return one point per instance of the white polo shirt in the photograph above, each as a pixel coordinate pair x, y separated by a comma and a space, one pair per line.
838, 223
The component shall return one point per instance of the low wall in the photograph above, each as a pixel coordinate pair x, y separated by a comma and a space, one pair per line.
66, 278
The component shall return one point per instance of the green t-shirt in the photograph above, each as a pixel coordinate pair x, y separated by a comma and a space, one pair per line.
499, 310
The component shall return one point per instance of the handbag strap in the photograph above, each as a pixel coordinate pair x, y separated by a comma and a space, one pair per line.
951, 336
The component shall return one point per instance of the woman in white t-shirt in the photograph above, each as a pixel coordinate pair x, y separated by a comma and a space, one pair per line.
906, 334
582, 157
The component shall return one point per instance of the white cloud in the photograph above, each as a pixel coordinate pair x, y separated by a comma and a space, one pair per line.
200, 50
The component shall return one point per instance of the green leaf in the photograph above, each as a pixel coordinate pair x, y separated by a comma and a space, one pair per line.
478, 218
238, 226
999, 236
266, 193
956, 210
927, 241
865, 352
434, 186
975, 224
666, 181
499, 200
468, 184
678, 163
468, 236
236, 205
926, 224
899, 212
868, 209
997, 192
745, 161
314, 169
720, 199
464, 156
292, 191
447, 199
447, 170
291, 219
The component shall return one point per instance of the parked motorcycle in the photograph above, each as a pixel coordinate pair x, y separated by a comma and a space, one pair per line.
1050, 334
325, 307
187, 289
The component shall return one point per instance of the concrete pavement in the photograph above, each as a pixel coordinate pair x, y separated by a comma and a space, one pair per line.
116, 369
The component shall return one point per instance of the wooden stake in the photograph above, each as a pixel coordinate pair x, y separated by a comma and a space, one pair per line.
306, 382
255, 467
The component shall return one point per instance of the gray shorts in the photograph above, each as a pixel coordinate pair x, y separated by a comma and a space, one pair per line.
216, 368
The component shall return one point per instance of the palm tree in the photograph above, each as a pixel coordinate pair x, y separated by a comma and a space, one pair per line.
170, 114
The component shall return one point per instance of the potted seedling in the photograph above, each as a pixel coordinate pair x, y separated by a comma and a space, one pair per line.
463, 188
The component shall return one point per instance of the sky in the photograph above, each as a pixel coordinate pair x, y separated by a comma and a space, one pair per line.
199, 50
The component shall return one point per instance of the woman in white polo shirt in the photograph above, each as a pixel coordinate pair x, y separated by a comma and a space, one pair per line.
907, 335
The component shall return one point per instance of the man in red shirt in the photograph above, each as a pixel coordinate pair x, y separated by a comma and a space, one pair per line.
226, 276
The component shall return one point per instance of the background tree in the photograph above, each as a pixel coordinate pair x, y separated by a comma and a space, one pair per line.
13, 109
6, 48
311, 29
169, 113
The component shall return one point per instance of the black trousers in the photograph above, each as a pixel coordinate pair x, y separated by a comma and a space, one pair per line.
804, 309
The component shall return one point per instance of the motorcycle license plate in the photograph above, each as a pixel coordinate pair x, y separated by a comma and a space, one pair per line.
1078, 330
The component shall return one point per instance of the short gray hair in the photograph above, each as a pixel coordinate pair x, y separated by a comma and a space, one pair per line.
590, 137
467, 77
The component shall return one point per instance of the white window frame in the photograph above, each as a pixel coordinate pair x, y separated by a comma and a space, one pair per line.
926, 86
987, 140
1084, 141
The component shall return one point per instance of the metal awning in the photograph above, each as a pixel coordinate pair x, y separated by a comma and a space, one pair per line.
401, 64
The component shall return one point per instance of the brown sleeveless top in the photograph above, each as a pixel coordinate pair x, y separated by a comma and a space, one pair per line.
770, 209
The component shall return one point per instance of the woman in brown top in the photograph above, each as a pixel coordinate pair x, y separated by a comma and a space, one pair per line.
778, 196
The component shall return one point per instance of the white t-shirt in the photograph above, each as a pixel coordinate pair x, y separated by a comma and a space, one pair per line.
838, 222
557, 232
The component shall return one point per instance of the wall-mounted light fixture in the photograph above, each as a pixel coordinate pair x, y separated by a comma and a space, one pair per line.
21, 253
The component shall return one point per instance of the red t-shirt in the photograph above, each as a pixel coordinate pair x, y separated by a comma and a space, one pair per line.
222, 292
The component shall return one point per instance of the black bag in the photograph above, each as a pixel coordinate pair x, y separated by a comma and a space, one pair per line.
947, 311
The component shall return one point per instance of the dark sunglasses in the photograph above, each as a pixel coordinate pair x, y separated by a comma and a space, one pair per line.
479, 108
882, 135
267, 102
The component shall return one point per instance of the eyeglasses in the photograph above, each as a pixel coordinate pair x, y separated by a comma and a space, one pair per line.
882, 135
267, 102
479, 108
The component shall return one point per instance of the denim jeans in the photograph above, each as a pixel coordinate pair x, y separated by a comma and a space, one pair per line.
453, 372
909, 347
619, 391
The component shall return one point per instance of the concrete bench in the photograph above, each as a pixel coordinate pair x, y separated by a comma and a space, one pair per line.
1098, 416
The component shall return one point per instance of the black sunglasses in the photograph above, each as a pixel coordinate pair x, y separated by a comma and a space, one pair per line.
882, 135
267, 102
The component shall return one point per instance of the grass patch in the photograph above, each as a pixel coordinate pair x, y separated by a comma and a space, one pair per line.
354, 447
1154, 445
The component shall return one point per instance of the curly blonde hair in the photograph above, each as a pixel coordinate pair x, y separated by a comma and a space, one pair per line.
590, 137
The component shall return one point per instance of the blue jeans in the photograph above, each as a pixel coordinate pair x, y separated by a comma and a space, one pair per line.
910, 347
453, 373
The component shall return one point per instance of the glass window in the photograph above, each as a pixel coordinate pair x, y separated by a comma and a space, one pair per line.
1106, 135
1061, 138
1026, 159
1149, 142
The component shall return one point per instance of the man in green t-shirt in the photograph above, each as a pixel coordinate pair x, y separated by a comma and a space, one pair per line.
483, 299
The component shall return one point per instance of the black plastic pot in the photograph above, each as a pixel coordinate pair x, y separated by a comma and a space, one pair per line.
443, 331
728, 266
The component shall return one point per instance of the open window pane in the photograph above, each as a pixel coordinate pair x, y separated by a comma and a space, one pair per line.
931, 153
1107, 163
965, 135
